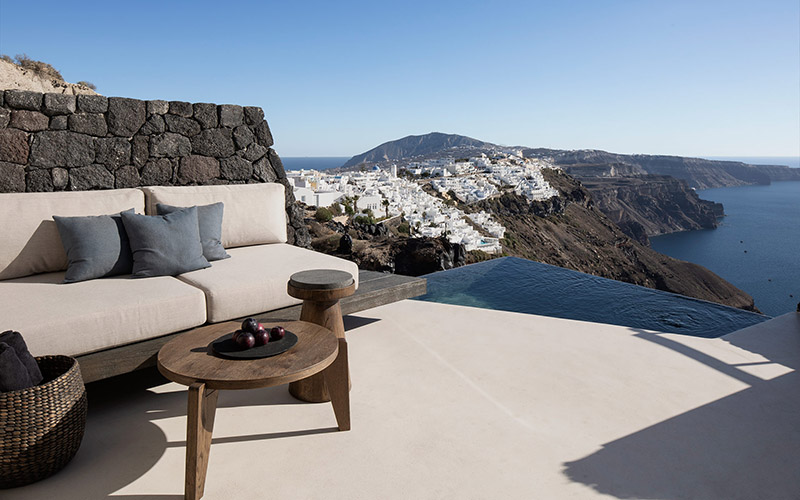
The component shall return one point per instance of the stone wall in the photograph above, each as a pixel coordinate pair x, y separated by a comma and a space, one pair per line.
56, 142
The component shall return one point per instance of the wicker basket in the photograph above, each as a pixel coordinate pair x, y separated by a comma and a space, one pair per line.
41, 427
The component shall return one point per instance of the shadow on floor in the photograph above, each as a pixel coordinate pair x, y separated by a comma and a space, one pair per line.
741, 446
123, 441
353, 322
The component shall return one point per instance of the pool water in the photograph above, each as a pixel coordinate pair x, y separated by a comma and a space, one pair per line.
525, 286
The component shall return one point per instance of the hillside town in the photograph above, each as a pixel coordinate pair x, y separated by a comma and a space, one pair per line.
394, 191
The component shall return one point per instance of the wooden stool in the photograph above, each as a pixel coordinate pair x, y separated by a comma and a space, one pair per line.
320, 290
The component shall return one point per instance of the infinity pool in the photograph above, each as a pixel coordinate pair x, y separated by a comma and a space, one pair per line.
525, 286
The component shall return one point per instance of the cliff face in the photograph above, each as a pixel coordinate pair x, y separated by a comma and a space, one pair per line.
651, 205
698, 172
12, 77
570, 231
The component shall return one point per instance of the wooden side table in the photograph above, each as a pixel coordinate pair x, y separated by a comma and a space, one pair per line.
320, 290
188, 360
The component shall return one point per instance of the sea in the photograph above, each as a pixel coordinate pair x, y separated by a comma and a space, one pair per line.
313, 162
757, 244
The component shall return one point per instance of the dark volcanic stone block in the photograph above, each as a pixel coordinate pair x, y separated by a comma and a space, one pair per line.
243, 136
169, 145
180, 108
88, 123
126, 177
61, 149
156, 172
181, 125
2, 99
197, 169
39, 181
58, 122
24, 99
264, 135
14, 146
230, 115
206, 114
12, 178
264, 171
5, 116
254, 152
157, 107
29, 121
113, 152
213, 142
60, 177
277, 164
125, 116
91, 177
59, 104
92, 103
140, 150
235, 168
154, 125
253, 115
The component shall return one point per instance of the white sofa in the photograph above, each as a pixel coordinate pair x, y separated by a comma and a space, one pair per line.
80, 318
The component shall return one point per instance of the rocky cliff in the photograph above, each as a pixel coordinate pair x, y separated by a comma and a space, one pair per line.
14, 77
650, 205
698, 172
570, 231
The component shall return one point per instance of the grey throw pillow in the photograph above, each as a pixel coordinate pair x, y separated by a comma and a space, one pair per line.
165, 245
97, 246
209, 219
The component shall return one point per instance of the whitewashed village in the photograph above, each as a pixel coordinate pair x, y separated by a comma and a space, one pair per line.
396, 191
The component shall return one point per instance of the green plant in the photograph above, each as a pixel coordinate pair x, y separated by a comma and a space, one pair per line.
364, 219
336, 209
88, 84
323, 214
385, 204
403, 228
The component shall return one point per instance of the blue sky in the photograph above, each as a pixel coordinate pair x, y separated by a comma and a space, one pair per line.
338, 78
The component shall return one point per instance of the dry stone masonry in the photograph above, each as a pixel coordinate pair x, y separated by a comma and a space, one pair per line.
56, 142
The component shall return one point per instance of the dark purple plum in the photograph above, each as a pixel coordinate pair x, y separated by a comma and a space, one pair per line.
236, 334
246, 340
262, 337
276, 333
250, 325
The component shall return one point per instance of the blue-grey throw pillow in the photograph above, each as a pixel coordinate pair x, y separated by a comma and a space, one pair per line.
165, 245
97, 246
209, 220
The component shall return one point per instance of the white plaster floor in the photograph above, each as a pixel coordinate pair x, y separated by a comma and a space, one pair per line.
453, 402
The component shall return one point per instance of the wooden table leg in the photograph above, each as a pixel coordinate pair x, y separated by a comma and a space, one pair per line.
328, 314
200, 425
336, 379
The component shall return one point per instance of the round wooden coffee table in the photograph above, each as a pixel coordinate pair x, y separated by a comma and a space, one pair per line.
320, 290
188, 360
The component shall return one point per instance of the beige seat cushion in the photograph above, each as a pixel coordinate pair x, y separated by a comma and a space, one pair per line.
254, 279
78, 318
253, 213
30, 243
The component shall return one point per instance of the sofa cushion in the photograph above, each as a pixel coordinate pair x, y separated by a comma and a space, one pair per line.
254, 279
92, 315
97, 246
209, 220
254, 213
30, 242
165, 245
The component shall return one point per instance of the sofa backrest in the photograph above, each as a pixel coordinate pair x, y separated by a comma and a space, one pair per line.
254, 214
29, 240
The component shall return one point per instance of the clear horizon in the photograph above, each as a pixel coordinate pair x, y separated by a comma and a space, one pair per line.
676, 78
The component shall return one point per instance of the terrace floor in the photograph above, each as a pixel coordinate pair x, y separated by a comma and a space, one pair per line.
466, 403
